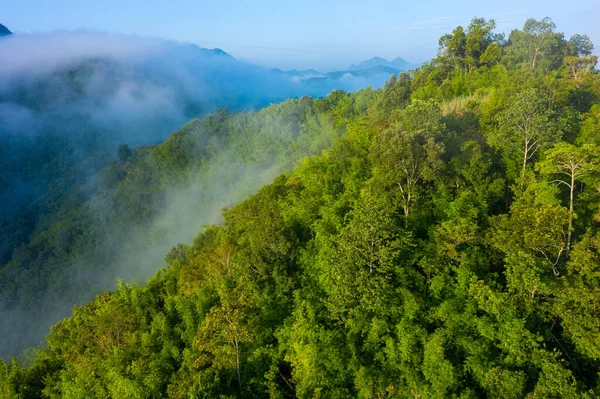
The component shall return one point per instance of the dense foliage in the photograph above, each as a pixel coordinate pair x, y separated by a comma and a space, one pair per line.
447, 245
140, 205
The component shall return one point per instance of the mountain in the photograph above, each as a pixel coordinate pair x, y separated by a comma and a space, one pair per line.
398, 64
4, 31
216, 52
410, 253
54, 122
348, 79
402, 64
364, 72
196, 50
294, 73
375, 76
60, 126
122, 99
375, 61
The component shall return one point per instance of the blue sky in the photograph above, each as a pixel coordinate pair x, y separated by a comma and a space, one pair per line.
300, 34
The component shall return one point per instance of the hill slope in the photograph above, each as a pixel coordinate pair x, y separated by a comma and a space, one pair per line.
64, 116
148, 200
429, 252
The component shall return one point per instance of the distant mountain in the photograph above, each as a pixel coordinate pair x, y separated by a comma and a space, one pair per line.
303, 74
192, 50
375, 61
364, 72
352, 79
349, 79
398, 64
402, 64
4, 31
217, 52
367, 69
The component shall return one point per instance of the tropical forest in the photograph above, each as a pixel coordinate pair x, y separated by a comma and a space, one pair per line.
435, 236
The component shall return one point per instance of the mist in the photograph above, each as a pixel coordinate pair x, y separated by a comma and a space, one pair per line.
136, 252
67, 101
114, 82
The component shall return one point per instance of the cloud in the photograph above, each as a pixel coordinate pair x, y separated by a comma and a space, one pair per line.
17, 120
35, 53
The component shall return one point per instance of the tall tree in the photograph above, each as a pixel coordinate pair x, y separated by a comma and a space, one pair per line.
580, 45
538, 40
452, 47
525, 126
570, 164
580, 67
479, 36
396, 92
406, 154
224, 330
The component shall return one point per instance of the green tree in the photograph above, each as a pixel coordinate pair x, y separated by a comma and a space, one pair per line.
538, 41
224, 331
396, 92
452, 47
581, 67
406, 154
479, 37
7, 387
570, 164
580, 45
492, 55
578, 300
525, 126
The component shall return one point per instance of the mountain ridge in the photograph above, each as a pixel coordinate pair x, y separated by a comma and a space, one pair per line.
4, 31
397, 63
373, 65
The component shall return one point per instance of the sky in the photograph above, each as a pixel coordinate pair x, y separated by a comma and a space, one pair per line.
322, 34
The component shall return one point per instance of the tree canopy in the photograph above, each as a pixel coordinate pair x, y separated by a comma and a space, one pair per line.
441, 239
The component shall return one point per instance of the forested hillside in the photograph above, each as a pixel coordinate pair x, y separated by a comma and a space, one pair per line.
445, 244
68, 225
63, 113
140, 205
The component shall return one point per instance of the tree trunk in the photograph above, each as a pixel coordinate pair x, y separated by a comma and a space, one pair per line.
237, 355
525, 153
572, 187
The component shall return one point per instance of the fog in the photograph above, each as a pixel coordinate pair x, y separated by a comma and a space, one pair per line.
112, 81
67, 100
